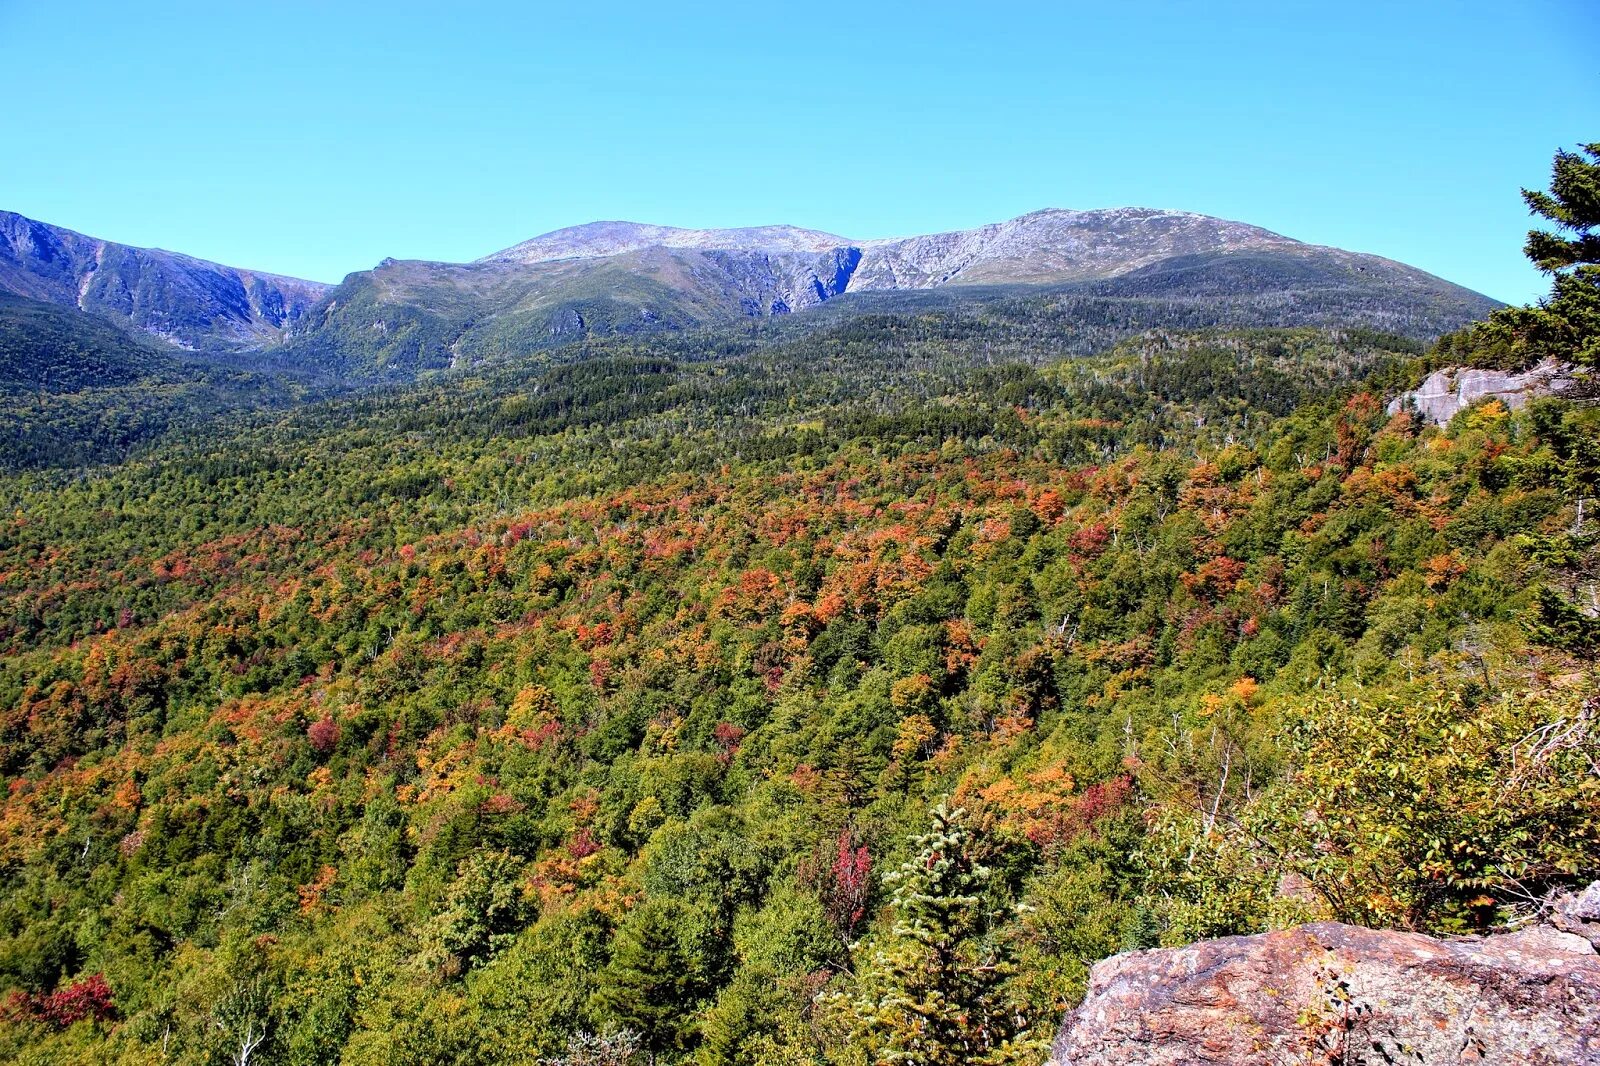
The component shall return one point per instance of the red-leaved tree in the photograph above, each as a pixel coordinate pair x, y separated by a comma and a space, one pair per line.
88, 998
841, 875
323, 734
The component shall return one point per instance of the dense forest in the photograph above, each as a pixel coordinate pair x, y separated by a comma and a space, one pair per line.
823, 695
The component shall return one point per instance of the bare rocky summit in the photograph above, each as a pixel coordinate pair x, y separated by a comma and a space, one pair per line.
1332, 993
596, 240
1048, 245
1055, 245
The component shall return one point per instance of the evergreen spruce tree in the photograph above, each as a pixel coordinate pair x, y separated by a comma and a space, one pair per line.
936, 992
1567, 325
650, 984
1573, 204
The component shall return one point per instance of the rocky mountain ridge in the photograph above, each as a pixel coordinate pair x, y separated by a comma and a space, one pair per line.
623, 277
1050, 244
1056, 245
594, 240
191, 302
406, 316
1047, 245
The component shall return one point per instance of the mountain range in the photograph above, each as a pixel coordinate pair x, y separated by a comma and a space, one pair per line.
407, 316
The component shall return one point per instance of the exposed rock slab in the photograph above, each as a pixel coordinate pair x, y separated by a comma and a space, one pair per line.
1332, 993
1443, 393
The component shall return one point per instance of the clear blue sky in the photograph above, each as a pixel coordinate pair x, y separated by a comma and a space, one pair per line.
316, 138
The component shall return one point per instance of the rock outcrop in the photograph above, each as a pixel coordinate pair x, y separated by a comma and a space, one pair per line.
1445, 392
1331, 993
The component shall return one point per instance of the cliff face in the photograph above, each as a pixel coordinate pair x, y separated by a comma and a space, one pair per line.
1331, 993
1445, 392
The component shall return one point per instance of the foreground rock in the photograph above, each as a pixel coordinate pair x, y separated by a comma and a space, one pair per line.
1331, 993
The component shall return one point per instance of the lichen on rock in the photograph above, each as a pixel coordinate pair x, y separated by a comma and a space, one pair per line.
1333, 993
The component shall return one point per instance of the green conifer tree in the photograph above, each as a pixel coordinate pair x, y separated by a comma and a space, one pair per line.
651, 982
935, 994
1567, 325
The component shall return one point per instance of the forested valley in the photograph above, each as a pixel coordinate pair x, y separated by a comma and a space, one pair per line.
788, 695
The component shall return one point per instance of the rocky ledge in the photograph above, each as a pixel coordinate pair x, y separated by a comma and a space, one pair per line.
1331, 993
1445, 392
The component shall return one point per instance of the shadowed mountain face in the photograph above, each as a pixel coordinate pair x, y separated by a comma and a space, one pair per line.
78, 389
190, 302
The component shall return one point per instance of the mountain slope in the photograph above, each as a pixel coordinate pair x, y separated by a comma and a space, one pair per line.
404, 712
76, 389
598, 239
46, 349
1052, 244
407, 316
191, 302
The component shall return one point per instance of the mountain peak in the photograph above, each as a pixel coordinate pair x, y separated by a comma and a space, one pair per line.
1053, 241
595, 240
621, 276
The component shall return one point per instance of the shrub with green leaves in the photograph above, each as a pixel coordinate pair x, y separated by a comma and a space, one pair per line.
1444, 810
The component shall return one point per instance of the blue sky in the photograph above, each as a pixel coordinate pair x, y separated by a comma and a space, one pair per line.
316, 138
